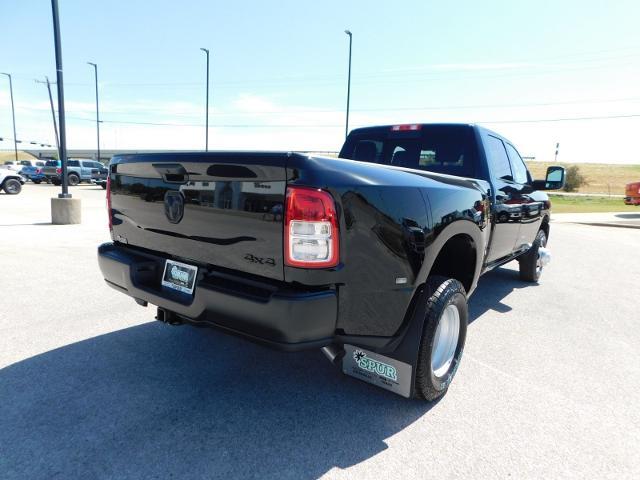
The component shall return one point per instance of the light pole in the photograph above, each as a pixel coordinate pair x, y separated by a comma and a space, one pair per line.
95, 69
206, 135
53, 114
13, 115
60, 84
346, 128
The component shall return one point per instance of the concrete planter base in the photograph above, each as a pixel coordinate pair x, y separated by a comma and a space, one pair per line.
66, 211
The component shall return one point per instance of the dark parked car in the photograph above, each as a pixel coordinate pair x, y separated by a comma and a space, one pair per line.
99, 176
370, 257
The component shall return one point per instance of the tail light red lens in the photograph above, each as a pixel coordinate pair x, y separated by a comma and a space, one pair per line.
109, 201
58, 171
38, 170
311, 229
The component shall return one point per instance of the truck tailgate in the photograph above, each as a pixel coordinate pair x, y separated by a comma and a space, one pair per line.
222, 209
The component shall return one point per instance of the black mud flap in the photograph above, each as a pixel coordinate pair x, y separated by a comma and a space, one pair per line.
393, 368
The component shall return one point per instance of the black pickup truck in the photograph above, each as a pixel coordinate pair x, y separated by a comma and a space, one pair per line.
370, 257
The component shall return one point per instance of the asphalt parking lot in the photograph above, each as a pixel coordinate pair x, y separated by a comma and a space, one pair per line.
92, 387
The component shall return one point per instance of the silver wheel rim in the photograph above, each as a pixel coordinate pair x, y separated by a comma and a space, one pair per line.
543, 243
445, 341
12, 187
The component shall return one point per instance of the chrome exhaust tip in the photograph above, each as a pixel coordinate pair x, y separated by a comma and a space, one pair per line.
333, 352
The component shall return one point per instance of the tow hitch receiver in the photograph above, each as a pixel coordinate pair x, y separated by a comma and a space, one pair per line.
381, 371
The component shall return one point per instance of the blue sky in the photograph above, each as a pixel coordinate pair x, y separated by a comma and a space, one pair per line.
279, 69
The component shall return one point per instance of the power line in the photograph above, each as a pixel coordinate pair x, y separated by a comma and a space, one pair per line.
564, 119
568, 119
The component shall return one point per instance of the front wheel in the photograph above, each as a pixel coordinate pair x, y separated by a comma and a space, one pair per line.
532, 262
443, 337
12, 186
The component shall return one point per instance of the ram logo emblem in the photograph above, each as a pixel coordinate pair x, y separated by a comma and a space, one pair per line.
173, 206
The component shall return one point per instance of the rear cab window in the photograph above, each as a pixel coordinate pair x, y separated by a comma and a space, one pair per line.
498, 159
520, 172
449, 149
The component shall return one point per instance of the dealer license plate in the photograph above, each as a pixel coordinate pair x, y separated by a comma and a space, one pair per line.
179, 276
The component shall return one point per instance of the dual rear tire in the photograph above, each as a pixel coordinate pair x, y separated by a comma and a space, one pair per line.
443, 336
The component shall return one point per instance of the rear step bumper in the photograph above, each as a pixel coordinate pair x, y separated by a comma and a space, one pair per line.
284, 318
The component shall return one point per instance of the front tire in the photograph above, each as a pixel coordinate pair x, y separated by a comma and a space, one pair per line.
443, 337
530, 263
12, 186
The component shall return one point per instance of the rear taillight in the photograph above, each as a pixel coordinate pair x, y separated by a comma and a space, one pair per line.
58, 171
38, 170
109, 201
311, 229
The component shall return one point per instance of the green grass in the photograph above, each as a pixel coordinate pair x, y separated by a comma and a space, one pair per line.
590, 204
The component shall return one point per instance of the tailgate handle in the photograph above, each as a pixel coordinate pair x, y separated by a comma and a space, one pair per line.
172, 172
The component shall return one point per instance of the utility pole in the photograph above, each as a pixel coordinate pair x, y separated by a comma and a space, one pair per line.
557, 148
60, 84
95, 69
13, 116
206, 135
53, 114
346, 128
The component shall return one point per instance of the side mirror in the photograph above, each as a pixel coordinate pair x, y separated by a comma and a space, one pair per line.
553, 181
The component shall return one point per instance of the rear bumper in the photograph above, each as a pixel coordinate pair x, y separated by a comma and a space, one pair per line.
275, 314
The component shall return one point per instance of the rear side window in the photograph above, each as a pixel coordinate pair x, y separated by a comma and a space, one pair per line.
73, 163
449, 149
367, 150
497, 158
520, 174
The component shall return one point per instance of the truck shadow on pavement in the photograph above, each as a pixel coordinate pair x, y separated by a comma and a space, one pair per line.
154, 401
492, 288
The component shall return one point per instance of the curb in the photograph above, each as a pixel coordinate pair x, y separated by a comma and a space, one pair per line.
605, 224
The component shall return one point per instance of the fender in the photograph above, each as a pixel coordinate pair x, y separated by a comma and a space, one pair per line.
455, 228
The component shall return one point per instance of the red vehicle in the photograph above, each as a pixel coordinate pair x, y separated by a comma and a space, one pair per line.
632, 194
